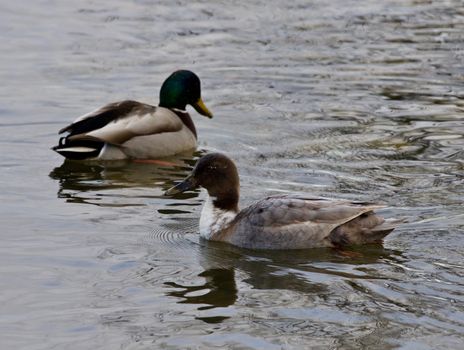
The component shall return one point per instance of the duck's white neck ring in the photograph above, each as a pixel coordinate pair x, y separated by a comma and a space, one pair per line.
179, 110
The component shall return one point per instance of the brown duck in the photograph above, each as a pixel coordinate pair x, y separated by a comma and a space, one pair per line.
278, 222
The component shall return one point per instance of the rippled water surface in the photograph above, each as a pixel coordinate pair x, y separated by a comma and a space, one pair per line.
349, 99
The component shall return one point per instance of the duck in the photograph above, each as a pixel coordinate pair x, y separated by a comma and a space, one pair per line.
135, 130
277, 222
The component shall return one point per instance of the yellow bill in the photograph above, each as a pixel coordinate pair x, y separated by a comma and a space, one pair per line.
202, 109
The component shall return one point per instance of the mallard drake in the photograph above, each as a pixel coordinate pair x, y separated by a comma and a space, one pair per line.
131, 129
277, 222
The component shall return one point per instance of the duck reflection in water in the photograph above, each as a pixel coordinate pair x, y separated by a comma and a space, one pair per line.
307, 271
83, 182
221, 292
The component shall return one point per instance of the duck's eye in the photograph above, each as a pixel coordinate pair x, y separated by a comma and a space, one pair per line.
216, 166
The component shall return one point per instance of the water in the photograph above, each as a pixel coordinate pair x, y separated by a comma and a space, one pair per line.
347, 99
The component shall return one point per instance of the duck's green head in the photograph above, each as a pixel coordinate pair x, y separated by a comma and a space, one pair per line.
183, 88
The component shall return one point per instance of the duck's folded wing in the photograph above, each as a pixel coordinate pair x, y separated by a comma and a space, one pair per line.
294, 222
120, 121
101, 116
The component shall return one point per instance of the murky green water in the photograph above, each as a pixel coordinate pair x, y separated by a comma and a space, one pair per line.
347, 99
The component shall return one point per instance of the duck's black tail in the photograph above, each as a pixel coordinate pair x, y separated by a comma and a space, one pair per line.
79, 149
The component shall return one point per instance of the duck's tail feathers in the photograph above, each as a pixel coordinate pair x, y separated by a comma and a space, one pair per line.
366, 228
79, 149
388, 226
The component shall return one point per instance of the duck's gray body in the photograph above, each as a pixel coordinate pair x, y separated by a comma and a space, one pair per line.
128, 129
293, 222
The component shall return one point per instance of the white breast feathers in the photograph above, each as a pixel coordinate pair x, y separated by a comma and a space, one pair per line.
214, 219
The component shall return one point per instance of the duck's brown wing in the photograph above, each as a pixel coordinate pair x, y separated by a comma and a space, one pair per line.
120, 121
286, 222
102, 116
